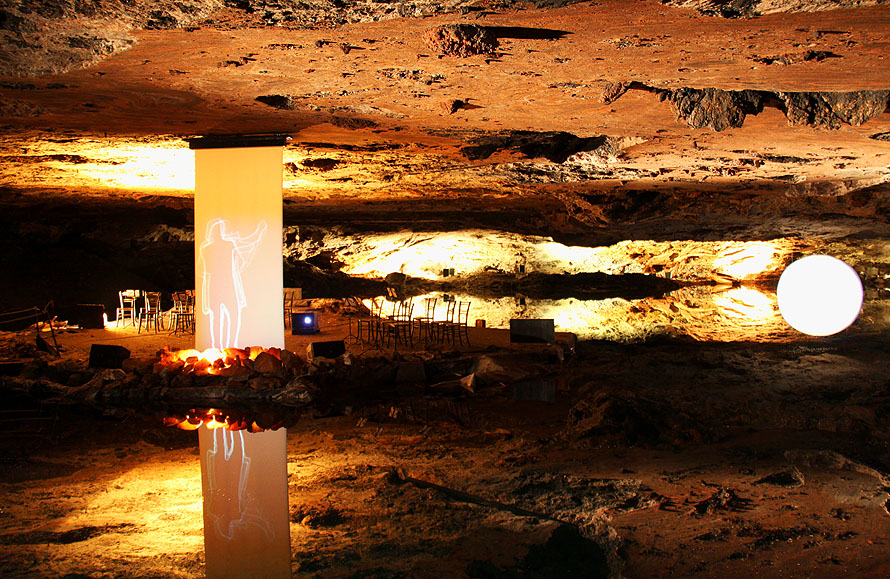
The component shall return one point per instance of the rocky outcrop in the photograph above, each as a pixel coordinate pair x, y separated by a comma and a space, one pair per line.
461, 40
752, 8
612, 91
723, 109
45, 37
832, 109
713, 108
332, 13
835, 187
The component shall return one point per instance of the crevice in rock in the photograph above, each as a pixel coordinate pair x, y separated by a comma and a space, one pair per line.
555, 146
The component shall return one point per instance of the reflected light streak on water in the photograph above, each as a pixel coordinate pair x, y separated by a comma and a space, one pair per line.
738, 314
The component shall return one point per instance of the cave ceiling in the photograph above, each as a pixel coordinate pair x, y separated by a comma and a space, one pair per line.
594, 122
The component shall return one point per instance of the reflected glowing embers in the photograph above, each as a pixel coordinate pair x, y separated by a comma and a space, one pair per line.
229, 420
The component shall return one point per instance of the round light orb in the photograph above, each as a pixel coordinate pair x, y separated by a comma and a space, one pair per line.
307, 320
819, 295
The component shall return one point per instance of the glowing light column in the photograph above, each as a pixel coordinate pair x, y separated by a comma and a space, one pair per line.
239, 302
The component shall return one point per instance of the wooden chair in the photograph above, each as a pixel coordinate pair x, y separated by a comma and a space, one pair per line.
368, 327
128, 302
423, 324
150, 313
397, 327
439, 327
457, 329
288, 306
183, 313
460, 327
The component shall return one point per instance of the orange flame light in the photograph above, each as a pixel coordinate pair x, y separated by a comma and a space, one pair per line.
224, 363
212, 360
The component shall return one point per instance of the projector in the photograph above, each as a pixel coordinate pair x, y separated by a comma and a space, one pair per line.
304, 323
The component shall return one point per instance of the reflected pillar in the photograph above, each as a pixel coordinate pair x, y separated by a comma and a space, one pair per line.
239, 303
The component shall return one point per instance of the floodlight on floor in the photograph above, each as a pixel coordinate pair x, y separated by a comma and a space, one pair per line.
819, 295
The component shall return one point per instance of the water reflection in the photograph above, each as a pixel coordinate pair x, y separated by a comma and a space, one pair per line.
702, 313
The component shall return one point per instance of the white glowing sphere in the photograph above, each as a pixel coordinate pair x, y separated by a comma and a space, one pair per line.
819, 295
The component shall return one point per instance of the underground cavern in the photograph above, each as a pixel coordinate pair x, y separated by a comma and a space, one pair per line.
453, 177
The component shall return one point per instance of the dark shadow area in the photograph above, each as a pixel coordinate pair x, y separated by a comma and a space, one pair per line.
553, 146
525, 33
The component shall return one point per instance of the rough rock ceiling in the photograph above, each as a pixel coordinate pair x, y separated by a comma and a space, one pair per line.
591, 122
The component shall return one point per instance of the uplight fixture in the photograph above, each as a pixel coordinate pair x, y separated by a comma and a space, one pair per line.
819, 295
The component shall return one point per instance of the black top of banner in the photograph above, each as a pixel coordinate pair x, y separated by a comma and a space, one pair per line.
232, 141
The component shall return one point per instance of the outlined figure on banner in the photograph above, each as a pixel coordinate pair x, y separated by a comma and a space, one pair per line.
232, 508
223, 291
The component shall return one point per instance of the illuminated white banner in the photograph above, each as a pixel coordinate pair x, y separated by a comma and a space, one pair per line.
238, 267
239, 302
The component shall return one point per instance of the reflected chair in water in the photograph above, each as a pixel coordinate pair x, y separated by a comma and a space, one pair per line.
183, 313
150, 313
127, 309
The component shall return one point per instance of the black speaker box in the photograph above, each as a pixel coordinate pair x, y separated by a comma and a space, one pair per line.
107, 356
330, 349
88, 316
541, 331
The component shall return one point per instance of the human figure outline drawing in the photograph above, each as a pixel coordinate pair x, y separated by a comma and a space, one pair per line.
231, 507
223, 296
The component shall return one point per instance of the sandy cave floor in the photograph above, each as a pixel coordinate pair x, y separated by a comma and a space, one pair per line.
658, 459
